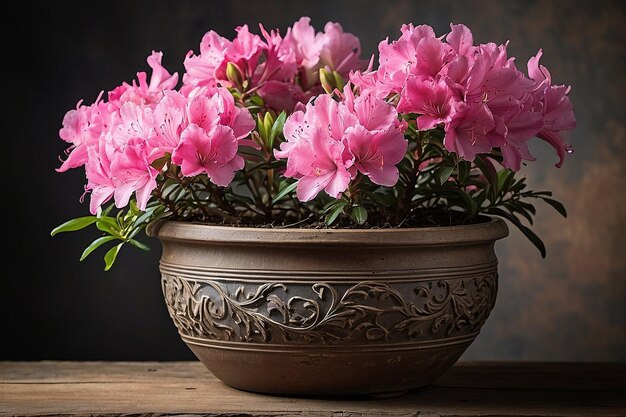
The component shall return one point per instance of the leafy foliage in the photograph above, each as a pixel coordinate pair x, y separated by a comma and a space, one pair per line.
432, 181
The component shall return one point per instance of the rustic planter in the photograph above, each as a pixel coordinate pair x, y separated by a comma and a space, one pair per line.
325, 312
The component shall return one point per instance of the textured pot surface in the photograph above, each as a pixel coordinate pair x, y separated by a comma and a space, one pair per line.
325, 312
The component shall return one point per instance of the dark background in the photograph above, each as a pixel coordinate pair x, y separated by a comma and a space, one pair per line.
570, 306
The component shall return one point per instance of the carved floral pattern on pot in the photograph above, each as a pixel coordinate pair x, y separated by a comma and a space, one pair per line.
325, 313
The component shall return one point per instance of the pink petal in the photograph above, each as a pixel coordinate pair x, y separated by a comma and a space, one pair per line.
203, 112
556, 141
309, 187
221, 176
99, 196
460, 39
388, 176
338, 182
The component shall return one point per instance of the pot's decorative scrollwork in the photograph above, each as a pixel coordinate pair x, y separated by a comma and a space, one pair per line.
327, 313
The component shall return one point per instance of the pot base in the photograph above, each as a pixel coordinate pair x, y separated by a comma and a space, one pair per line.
378, 371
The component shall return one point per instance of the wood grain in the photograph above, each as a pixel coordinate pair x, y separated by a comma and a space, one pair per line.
187, 388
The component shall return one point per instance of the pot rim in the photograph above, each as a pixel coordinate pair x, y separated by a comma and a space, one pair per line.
171, 230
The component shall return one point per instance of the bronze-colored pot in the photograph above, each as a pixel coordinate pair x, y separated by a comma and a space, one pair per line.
326, 311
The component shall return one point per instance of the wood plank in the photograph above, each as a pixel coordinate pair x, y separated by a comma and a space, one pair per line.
169, 388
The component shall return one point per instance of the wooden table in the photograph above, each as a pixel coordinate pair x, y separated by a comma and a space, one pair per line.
187, 388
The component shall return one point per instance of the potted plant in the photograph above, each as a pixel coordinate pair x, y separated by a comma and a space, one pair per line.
327, 224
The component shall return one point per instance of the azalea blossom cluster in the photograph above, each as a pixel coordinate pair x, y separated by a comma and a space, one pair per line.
329, 143
475, 92
119, 139
268, 128
283, 71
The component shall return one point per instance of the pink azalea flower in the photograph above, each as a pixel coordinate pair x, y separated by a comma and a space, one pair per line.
521, 125
372, 113
213, 153
99, 177
170, 120
341, 51
556, 108
203, 112
136, 121
368, 80
494, 80
175, 112
132, 173
301, 125
297, 133
376, 153
120, 164
280, 62
82, 128
238, 119
329, 142
323, 164
304, 42
246, 47
200, 70
558, 116
416, 52
461, 40
330, 115
472, 130
144, 92
433, 100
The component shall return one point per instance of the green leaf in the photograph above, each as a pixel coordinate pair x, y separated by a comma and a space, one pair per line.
277, 127
134, 210
464, 170
145, 217
95, 245
334, 213
161, 162
529, 207
518, 186
74, 225
240, 198
358, 214
469, 202
108, 225
331, 205
488, 170
444, 173
107, 210
288, 189
556, 205
138, 244
111, 255
268, 122
508, 181
257, 100
515, 207
261, 127
479, 198
534, 239
382, 199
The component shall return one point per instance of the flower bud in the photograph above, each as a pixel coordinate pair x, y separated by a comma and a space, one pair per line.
327, 81
339, 82
234, 75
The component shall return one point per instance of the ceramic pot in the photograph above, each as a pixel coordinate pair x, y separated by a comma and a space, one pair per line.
328, 312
